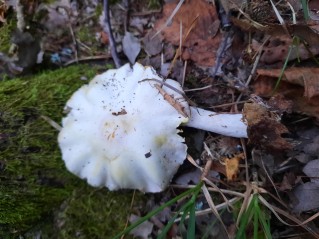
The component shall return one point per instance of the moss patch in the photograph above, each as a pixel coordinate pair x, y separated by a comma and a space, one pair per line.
102, 214
34, 181
5, 35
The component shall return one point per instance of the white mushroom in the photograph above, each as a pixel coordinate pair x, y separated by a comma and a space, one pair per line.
120, 132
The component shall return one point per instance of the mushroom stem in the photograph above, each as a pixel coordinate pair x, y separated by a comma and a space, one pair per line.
225, 124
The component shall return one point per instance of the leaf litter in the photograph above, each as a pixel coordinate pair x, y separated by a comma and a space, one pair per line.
281, 153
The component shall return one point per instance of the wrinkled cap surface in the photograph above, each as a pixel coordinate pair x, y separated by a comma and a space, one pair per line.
121, 133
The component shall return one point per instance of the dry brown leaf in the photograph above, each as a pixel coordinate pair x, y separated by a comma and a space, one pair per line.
287, 182
280, 103
276, 50
232, 166
304, 32
202, 42
306, 77
218, 167
264, 86
3, 10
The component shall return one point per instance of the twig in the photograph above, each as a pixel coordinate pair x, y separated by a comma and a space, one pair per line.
169, 20
90, 58
52, 122
221, 53
108, 30
172, 101
172, 88
218, 207
74, 41
198, 89
184, 73
227, 104
208, 163
145, 13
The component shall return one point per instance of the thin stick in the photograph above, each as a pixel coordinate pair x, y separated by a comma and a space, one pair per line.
227, 104
209, 210
90, 58
172, 88
172, 101
184, 73
169, 20
198, 89
108, 30
221, 53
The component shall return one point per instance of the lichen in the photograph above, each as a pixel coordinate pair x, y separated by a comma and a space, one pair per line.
34, 181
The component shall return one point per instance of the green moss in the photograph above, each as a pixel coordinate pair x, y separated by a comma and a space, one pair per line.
103, 214
5, 34
192, 81
84, 34
154, 4
34, 181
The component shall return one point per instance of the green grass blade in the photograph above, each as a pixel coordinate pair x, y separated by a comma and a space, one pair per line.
185, 209
256, 222
159, 209
169, 224
191, 222
257, 213
265, 224
283, 70
304, 4
245, 219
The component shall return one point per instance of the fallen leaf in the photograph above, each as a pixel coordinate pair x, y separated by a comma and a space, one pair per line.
131, 46
280, 103
313, 7
218, 167
193, 177
264, 161
3, 9
308, 148
232, 166
264, 86
104, 38
277, 48
138, 23
57, 19
287, 182
306, 77
152, 43
189, 177
305, 197
144, 230
312, 170
203, 40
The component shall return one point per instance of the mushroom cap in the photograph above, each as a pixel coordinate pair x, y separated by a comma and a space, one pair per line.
121, 133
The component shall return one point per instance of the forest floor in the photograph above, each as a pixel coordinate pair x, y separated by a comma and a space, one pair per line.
257, 59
